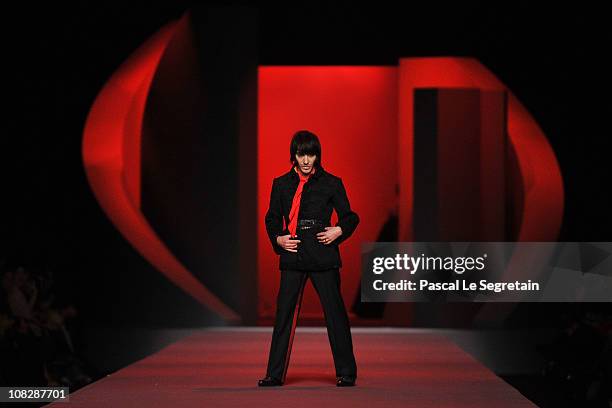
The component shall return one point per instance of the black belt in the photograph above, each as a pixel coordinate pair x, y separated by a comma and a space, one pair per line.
307, 224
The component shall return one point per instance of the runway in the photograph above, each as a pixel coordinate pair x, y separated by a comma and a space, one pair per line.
220, 367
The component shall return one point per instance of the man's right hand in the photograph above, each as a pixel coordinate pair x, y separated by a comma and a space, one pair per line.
287, 243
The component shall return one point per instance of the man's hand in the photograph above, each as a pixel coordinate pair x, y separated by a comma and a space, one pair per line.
329, 235
287, 243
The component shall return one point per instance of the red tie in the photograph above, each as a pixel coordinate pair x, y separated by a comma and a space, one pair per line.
297, 198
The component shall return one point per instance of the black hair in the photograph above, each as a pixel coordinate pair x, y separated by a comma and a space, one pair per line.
305, 142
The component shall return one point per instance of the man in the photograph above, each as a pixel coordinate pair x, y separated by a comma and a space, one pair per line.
304, 198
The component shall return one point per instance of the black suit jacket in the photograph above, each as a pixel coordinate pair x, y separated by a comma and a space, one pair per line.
322, 193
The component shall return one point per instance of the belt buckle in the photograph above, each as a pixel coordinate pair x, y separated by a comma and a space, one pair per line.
309, 224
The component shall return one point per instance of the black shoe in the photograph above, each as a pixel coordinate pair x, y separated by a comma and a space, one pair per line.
345, 381
269, 382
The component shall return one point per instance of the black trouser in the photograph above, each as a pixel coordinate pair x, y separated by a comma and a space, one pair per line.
289, 300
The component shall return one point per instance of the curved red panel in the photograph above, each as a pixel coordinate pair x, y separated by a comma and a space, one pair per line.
540, 177
111, 157
540, 173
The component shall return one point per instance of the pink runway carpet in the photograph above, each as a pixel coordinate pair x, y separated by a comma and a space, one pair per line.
220, 368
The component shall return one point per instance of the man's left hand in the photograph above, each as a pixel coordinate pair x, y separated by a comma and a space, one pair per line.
329, 235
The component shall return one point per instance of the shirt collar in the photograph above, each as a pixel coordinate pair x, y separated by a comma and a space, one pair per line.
319, 171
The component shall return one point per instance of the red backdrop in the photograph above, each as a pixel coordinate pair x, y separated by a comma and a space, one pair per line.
353, 110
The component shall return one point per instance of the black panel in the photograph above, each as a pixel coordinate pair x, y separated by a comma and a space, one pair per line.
201, 125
